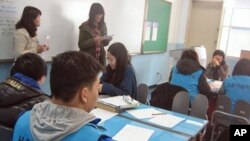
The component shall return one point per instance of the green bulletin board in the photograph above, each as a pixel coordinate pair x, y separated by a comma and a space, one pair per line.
156, 26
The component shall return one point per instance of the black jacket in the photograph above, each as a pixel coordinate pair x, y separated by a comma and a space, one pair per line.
164, 94
15, 98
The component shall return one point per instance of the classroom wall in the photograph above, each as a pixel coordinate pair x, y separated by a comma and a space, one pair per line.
227, 5
150, 69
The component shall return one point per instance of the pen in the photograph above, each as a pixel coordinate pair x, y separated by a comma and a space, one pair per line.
154, 114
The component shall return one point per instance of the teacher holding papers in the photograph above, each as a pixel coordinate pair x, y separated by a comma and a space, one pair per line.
93, 34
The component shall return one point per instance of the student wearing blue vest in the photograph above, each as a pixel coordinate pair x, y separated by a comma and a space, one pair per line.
119, 78
237, 87
74, 87
189, 74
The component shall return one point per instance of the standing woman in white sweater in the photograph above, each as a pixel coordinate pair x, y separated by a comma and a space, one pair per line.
25, 35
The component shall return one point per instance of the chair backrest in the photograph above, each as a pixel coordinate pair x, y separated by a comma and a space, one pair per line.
242, 108
199, 106
223, 103
226, 119
142, 93
181, 102
221, 121
5, 133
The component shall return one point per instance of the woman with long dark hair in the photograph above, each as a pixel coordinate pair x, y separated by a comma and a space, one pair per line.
25, 35
119, 78
92, 36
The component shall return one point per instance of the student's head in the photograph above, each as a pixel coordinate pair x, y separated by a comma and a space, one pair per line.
118, 60
96, 15
74, 79
190, 54
117, 56
30, 20
219, 55
31, 65
242, 67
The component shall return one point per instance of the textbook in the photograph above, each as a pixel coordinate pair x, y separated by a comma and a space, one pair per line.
117, 103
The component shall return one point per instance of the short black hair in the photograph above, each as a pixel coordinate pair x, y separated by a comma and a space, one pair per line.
30, 13
31, 65
242, 67
71, 71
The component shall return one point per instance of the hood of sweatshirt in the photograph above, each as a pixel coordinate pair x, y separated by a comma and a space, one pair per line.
52, 122
188, 66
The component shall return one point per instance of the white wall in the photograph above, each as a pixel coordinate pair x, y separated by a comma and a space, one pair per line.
153, 68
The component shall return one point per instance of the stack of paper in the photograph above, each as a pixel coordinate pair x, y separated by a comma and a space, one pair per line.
117, 103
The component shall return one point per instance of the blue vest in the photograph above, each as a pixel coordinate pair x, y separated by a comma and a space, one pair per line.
188, 81
237, 88
88, 132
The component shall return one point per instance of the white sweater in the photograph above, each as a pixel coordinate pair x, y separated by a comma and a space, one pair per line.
24, 43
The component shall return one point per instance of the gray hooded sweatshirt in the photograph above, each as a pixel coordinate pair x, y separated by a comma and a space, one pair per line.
52, 122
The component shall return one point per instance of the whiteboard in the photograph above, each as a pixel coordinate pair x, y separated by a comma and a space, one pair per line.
61, 20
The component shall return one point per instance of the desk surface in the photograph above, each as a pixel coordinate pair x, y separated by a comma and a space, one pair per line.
116, 123
184, 128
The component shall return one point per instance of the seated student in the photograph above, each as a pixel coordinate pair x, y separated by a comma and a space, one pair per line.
21, 91
217, 69
74, 87
119, 78
237, 87
189, 74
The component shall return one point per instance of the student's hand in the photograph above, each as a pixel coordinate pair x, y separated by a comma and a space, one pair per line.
107, 37
42, 48
99, 38
45, 47
215, 62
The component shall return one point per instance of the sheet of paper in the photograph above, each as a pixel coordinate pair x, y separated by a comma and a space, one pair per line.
147, 33
133, 133
143, 113
215, 85
166, 120
194, 123
103, 114
155, 31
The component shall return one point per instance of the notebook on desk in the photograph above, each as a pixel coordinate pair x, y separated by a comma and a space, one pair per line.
117, 103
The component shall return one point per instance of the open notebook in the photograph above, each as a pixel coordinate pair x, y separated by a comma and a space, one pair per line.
117, 103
